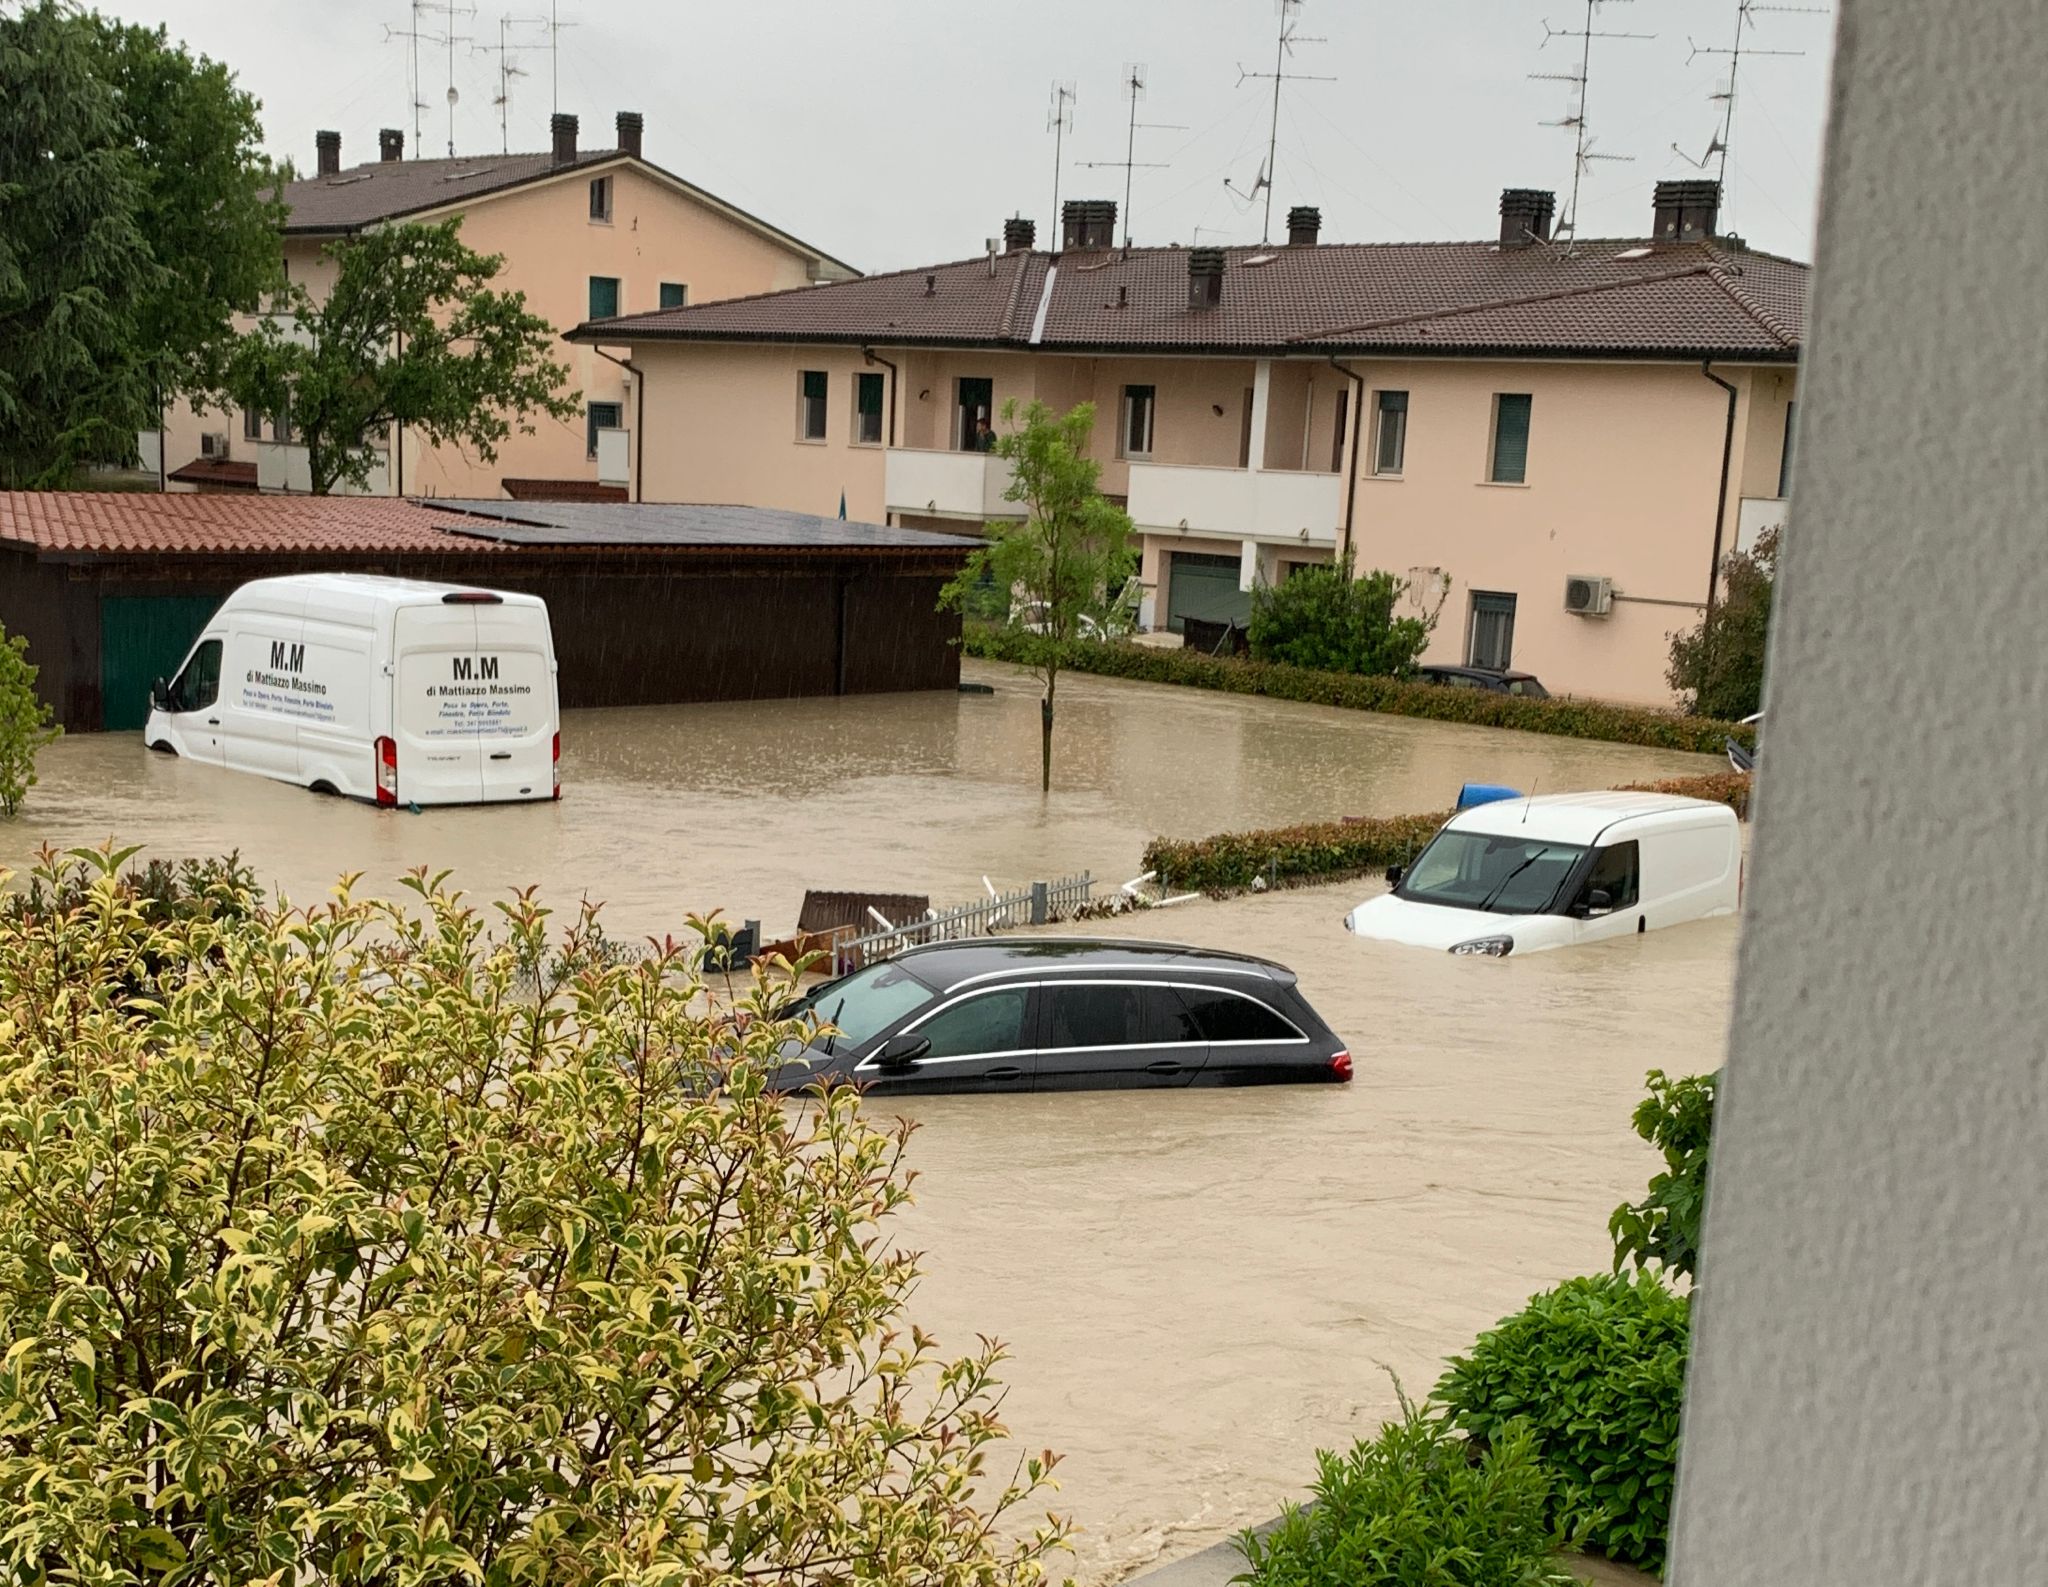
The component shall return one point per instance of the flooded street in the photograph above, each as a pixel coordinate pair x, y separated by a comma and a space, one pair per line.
1200, 1288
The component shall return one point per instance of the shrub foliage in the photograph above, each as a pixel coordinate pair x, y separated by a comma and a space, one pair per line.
1412, 1507
330, 1253
1719, 666
1663, 1229
1324, 618
1596, 1371
1567, 718
26, 723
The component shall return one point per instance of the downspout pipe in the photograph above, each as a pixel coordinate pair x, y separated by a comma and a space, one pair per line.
869, 356
1357, 438
639, 410
1720, 502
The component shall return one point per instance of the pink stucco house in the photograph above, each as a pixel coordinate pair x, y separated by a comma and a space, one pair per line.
1566, 433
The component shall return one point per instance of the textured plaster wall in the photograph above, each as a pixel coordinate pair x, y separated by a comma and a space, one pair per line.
1869, 1393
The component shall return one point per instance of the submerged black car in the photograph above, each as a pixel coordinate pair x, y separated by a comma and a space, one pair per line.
1063, 1014
1493, 680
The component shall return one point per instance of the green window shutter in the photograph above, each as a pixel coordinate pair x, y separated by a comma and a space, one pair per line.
814, 385
674, 295
870, 394
604, 297
1510, 438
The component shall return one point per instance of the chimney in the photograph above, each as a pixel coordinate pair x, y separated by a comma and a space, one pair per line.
1686, 211
1087, 223
1304, 225
564, 128
1525, 216
630, 124
1019, 235
1205, 277
390, 145
329, 145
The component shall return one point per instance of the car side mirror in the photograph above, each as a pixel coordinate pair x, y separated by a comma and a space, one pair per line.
160, 695
1395, 873
900, 1052
1595, 903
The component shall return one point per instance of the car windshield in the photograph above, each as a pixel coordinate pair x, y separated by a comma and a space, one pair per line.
1505, 875
865, 1003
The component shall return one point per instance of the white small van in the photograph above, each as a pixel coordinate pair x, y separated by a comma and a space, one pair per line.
1521, 875
388, 690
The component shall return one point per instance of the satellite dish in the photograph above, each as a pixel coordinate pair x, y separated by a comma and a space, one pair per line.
453, 95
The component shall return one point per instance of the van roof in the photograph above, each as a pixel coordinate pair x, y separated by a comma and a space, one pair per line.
370, 589
1581, 817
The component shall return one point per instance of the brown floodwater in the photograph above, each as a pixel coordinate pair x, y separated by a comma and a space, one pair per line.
1200, 1288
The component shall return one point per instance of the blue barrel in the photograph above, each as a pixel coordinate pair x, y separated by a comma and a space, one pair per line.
1484, 793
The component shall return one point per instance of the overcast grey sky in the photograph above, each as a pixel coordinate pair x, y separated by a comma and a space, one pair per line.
901, 132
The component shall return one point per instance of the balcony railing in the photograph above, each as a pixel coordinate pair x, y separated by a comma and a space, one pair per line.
948, 484
285, 466
1238, 503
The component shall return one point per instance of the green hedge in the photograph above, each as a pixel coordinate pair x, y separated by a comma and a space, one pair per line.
1614, 724
1596, 1370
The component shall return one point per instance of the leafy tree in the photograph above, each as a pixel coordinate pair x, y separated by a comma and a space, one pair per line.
1677, 1118
1058, 561
136, 217
1719, 666
411, 333
25, 723
357, 1259
1326, 619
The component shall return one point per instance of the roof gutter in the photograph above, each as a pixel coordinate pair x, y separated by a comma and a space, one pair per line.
1357, 437
639, 410
1720, 502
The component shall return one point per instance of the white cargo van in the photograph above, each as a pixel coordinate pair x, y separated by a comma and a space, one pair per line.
1526, 874
389, 690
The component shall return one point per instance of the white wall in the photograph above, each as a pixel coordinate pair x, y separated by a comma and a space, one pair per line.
1870, 1372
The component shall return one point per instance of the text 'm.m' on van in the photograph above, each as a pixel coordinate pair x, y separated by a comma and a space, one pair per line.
389, 690
1521, 875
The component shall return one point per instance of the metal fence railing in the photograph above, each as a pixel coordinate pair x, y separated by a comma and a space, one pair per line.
1039, 904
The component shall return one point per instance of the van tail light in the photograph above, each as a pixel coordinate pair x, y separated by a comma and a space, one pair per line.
1340, 1066
558, 764
387, 771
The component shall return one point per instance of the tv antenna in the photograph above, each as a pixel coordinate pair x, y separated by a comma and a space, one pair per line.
1283, 49
1746, 12
1059, 121
450, 10
1574, 118
555, 24
508, 68
413, 35
1134, 90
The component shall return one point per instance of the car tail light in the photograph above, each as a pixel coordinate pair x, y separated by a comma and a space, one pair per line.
1340, 1066
558, 765
387, 771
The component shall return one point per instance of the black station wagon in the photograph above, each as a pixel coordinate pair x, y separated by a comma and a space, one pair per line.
1063, 1014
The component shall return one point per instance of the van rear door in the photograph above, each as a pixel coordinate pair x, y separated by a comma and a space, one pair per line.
515, 663
440, 705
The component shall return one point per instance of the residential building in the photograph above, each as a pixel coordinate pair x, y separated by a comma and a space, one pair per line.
584, 234
1556, 440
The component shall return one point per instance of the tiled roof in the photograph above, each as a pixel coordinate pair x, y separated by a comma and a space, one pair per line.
1600, 298
561, 490
220, 473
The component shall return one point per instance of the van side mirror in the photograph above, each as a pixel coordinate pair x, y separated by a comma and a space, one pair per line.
1395, 873
1595, 903
160, 695
901, 1051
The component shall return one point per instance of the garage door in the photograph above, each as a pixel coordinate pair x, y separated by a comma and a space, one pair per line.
1205, 587
143, 638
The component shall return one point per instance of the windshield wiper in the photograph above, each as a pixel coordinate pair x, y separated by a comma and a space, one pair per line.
1491, 898
837, 1010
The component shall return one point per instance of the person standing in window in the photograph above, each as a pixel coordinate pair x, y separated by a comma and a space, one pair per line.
984, 436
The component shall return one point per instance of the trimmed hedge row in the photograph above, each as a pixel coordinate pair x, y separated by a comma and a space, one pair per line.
1330, 851
1614, 724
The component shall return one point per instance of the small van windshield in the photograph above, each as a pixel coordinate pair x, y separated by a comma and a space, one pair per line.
1505, 875
866, 1003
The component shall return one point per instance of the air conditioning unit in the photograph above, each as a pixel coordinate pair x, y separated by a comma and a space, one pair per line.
214, 444
1587, 596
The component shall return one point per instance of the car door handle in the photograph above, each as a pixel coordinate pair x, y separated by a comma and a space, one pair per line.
213, 721
501, 754
1165, 1066
1011, 1072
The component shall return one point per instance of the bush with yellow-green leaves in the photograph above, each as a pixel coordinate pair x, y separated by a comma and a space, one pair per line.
333, 1248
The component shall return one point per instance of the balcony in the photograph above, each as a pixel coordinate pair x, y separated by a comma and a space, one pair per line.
284, 467
1279, 505
1758, 514
947, 484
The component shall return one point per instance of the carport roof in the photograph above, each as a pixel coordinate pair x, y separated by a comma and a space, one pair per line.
121, 523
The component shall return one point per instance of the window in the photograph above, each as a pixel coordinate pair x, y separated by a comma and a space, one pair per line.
1510, 875
1390, 449
992, 1022
1117, 1016
810, 406
600, 416
604, 297
1244, 434
252, 425
1616, 872
1510, 462
675, 295
198, 686
1231, 1016
1785, 456
1136, 438
601, 198
865, 1003
974, 413
1342, 433
281, 428
1492, 642
867, 409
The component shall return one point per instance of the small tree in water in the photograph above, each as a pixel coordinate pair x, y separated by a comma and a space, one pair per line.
1057, 562
1719, 666
25, 723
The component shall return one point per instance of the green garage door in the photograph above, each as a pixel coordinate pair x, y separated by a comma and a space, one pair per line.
1205, 587
143, 638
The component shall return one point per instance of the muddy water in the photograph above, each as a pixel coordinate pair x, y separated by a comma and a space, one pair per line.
743, 806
